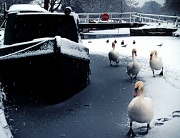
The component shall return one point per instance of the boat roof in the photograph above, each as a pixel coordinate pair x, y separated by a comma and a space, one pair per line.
26, 8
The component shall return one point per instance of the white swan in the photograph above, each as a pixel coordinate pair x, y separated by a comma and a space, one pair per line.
140, 109
156, 62
113, 55
133, 67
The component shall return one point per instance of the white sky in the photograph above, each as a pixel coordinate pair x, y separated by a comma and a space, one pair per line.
141, 2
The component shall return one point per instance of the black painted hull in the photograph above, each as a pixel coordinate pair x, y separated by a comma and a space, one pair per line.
54, 76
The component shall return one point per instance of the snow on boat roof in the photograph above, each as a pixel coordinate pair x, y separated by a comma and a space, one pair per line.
72, 48
26, 7
67, 46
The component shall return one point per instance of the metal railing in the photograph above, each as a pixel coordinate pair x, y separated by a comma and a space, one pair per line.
129, 17
113, 16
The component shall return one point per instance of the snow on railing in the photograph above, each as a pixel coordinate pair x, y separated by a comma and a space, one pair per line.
115, 16
129, 17
158, 18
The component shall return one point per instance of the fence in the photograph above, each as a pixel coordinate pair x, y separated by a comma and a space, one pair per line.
128, 17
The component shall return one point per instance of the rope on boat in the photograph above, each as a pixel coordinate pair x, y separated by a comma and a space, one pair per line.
22, 50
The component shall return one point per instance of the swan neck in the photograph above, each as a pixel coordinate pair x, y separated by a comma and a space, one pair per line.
142, 92
155, 53
133, 57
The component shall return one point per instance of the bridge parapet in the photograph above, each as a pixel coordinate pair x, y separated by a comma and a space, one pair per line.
158, 18
115, 17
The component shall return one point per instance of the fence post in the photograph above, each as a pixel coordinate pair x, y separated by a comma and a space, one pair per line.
139, 17
87, 17
134, 19
159, 21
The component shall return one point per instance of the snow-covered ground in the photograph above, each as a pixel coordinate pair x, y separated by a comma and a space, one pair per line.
164, 91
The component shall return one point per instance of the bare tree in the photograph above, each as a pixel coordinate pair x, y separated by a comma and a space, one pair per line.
151, 7
46, 4
172, 7
131, 5
55, 4
50, 5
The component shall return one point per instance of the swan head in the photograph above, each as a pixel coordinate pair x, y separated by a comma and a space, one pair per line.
134, 51
113, 45
138, 86
134, 41
154, 52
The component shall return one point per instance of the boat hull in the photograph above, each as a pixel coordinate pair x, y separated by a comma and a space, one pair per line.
53, 76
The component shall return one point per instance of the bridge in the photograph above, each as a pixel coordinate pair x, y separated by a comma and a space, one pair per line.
123, 20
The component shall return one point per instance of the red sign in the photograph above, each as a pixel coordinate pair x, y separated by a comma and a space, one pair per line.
105, 17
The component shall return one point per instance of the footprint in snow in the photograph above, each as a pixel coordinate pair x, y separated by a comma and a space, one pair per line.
176, 114
161, 121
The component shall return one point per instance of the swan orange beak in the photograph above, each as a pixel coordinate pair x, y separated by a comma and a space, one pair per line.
136, 92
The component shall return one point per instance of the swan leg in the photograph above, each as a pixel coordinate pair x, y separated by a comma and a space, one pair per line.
161, 73
131, 132
110, 62
131, 77
135, 76
148, 126
153, 73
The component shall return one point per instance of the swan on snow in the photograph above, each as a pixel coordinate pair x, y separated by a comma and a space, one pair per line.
140, 109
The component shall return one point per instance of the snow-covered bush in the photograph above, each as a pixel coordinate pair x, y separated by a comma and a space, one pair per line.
177, 33
2, 96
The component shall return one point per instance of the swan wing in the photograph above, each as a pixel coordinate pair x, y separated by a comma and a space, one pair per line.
137, 67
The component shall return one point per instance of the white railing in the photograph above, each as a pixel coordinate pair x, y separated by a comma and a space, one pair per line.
158, 18
113, 16
129, 17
